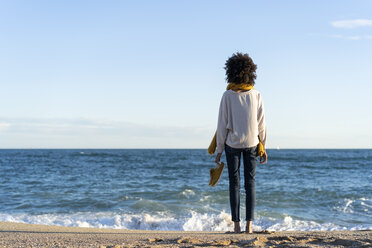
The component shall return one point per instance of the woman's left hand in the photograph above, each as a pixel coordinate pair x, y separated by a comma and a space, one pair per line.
263, 158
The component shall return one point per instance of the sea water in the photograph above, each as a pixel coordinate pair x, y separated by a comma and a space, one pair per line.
156, 189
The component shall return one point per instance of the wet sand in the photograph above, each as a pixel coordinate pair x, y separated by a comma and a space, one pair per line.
31, 235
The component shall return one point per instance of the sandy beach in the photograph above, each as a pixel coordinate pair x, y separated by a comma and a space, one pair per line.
31, 235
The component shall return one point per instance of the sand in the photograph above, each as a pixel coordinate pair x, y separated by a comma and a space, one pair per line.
31, 235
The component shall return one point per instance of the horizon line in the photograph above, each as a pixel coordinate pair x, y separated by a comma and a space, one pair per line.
134, 148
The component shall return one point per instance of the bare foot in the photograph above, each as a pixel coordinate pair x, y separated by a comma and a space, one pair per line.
249, 228
237, 227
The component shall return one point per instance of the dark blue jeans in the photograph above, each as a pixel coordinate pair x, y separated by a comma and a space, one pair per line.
233, 156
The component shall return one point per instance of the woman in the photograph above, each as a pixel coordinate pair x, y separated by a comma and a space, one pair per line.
241, 127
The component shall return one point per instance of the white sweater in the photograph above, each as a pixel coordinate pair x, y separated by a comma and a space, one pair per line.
241, 120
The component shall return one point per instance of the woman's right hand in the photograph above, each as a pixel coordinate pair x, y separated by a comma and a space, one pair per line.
218, 158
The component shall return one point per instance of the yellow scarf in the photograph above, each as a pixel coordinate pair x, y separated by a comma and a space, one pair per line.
212, 147
232, 86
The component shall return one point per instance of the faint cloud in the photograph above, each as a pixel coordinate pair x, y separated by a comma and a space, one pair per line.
352, 23
93, 133
351, 37
355, 37
4, 126
337, 36
343, 37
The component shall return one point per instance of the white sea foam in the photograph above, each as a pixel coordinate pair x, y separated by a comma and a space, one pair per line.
366, 203
162, 221
208, 222
289, 224
188, 193
349, 205
205, 198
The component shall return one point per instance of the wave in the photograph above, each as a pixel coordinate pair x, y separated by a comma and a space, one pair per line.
168, 222
360, 205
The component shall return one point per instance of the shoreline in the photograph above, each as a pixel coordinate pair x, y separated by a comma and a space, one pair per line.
14, 234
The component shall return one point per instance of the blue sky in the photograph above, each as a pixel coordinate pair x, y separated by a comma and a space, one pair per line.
149, 74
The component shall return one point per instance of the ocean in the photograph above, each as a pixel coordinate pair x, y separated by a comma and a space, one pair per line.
167, 189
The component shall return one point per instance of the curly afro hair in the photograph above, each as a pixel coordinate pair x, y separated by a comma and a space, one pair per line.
240, 69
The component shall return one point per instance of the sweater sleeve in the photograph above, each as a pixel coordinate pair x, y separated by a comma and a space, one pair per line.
222, 125
261, 121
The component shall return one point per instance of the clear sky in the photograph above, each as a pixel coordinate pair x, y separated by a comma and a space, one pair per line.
149, 74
